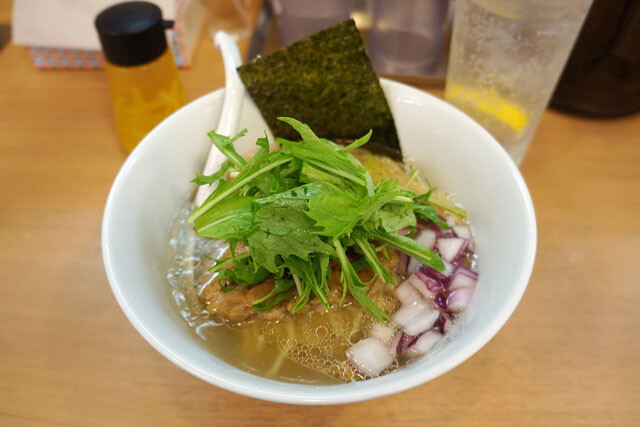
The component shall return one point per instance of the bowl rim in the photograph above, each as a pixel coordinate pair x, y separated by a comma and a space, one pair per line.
343, 393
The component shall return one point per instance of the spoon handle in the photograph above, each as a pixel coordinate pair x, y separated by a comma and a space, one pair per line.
231, 105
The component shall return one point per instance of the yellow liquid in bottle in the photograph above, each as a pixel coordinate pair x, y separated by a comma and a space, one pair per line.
142, 96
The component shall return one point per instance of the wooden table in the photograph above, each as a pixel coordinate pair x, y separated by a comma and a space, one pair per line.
570, 355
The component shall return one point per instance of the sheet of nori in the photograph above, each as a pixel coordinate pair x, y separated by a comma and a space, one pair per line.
327, 81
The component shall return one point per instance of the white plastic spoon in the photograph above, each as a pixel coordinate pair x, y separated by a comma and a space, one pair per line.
227, 125
231, 105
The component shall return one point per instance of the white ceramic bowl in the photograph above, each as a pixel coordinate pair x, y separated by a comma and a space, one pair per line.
453, 151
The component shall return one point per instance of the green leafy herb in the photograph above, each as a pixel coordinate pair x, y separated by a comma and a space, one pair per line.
281, 232
244, 272
396, 216
276, 295
413, 248
232, 218
372, 258
358, 142
334, 210
312, 277
326, 156
245, 177
413, 176
222, 262
449, 207
428, 213
298, 208
360, 264
356, 288
310, 173
225, 145
210, 179
425, 199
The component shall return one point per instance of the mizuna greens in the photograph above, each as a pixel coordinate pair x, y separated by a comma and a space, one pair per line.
301, 206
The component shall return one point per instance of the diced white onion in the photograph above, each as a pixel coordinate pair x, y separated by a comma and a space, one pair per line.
451, 221
448, 269
413, 265
382, 333
424, 343
415, 317
463, 278
426, 237
448, 325
406, 293
369, 357
421, 286
451, 247
462, 231
459, 299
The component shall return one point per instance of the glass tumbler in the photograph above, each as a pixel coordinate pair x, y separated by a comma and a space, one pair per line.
301, 18
407, 35
505, 60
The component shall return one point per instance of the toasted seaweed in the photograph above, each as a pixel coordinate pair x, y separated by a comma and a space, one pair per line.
327, 81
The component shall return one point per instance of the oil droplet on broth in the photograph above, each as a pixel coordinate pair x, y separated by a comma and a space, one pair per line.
307, 348
318, 341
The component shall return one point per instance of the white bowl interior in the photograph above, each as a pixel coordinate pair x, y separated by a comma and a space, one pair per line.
453, 151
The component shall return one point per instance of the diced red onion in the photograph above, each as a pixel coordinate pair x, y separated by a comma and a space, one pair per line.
415, 317
426, 238
446, 233
459, 299
413, 265
369, 357
394, 347
462, 231
428, 225
421, 224
424, 284
441, 301
382, 333
462, 278
406, 293
403, 261
424, 343
405, 342
451, 247
439, 324
440, 275
433, 285
451, 221
405, 231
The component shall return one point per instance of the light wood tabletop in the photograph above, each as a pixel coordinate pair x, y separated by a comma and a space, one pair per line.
570, 354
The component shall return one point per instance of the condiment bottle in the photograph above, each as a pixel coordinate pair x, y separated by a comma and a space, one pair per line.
143, 78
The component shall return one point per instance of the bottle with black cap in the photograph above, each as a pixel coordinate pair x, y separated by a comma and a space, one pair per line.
144, 81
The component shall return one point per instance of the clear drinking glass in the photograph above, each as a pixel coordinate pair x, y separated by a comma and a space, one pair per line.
505, 60
234, 17
301, 18
407, 35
